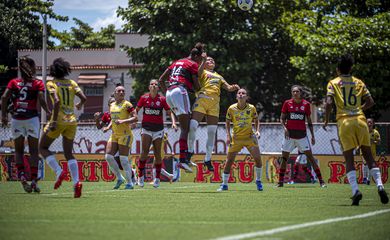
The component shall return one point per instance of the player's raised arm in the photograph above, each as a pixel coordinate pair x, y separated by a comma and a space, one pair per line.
163, 78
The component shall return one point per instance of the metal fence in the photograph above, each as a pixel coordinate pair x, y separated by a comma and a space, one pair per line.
91, 140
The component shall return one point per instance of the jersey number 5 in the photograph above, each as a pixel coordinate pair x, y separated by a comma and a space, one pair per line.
351, 97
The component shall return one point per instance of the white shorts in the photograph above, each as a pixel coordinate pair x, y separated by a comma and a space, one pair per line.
178, 100
290, 144
154, 135
25, 128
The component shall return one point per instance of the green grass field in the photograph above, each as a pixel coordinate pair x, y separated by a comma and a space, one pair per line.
188, 211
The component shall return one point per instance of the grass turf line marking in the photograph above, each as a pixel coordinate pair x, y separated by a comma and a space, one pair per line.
299, 226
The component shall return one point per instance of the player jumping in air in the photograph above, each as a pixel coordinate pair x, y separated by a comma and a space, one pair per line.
182, 78
351, 98
207, 105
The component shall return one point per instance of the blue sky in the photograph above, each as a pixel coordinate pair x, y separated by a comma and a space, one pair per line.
97, 13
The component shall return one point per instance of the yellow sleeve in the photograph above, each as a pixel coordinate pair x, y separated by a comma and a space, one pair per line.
51, 87
377, 135
228, 114
254, 112
76, 87
366, 93
330, 89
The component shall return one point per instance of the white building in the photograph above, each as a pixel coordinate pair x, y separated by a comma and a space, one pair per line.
97, 71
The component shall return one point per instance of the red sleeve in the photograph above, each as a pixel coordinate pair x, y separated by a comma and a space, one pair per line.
284, 108
307, 109
140, 102
11, 84
40, 86
165, 104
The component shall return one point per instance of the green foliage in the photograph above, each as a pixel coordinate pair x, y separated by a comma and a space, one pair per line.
83, 36
3, 69
329, 29
250, 48
21, 28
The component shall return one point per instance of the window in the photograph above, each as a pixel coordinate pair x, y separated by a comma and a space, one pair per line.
93, 91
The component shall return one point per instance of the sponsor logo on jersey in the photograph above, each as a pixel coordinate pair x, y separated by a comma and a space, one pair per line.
302, 108
152, 111
296, 116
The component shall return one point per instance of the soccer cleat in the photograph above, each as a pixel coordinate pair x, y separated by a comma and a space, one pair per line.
291, 182
27, 187
322, 184
77, 189
259, 185
364, 181
356, 198
156, 183
129, 186
141, 182
279, 185
223, 187
60, 178
170, 177
192, 164
383, 195
209, 166
184, 165
368, 182
313, 181
119, 183
34, 187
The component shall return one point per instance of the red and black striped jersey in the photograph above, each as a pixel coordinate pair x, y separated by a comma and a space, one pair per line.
26, 97
296, 116
153, 111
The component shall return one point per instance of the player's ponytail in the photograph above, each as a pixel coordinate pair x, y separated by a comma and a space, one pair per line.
197, 50
60, 68
27, 68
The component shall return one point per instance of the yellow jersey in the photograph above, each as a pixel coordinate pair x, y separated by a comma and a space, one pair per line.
121, 111
66, 91
242, 120
374, 136
348, 93
210, 84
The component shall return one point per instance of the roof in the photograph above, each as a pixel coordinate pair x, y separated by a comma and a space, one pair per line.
81, 67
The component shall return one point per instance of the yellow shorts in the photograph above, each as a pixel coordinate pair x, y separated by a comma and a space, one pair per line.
237, 144
68, 131
125, 140
353, 132
206, 106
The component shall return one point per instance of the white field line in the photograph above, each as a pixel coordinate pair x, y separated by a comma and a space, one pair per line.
299, 226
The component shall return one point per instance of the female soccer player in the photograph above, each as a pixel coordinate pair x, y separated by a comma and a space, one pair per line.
351, 98
242, 115
207, 105
294, 113
152, 131
123, 115
63, 122
375, 139
25, 121
182, 77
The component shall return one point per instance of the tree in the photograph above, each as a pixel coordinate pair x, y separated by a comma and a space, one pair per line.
20, 28
250, 48
328, 29
83, 36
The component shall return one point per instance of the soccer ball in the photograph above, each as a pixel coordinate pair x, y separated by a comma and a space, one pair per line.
245, 5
